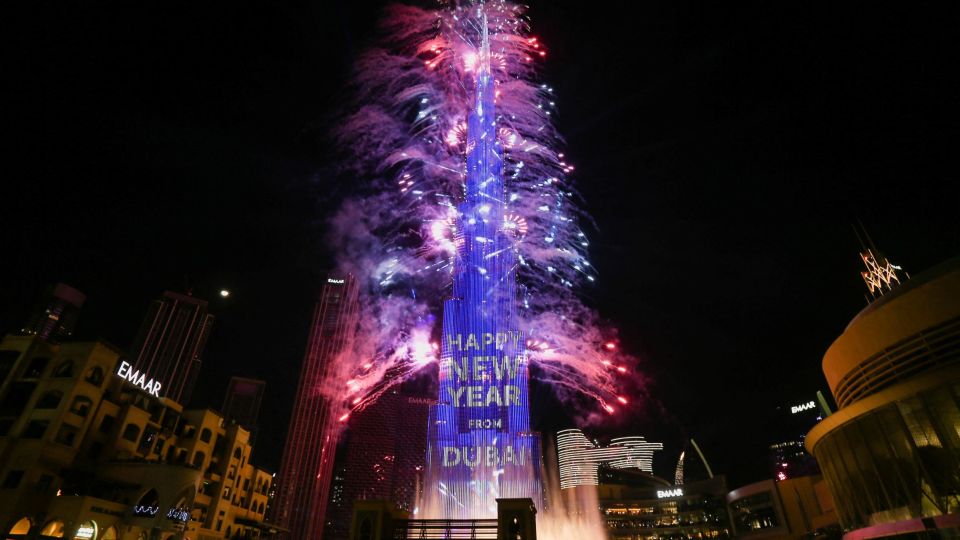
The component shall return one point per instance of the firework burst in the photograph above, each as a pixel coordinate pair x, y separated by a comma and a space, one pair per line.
404, 139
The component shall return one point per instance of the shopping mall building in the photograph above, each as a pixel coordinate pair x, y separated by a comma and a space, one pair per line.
640, 506
891, 453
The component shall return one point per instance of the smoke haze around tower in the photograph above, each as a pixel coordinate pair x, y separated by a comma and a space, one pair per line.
402, 138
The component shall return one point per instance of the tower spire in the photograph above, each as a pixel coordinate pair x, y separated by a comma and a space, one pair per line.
484, 45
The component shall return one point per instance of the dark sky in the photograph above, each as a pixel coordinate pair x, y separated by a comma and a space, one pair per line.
724, 150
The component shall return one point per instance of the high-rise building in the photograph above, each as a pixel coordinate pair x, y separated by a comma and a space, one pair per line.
383, 458
786, 455
55, 316
481, 447
170, 343
890, 454
242, 403
303, 485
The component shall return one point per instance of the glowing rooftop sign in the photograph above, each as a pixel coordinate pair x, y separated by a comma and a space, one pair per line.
136, 378
665, 493
336, 281
880, 274
800, 408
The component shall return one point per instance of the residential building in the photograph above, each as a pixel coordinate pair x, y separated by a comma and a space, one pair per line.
89, 450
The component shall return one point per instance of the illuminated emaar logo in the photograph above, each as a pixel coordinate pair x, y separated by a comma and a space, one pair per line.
665, 493
800, 408
136, 378
336, 281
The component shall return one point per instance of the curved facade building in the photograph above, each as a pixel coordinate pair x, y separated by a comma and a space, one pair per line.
891, 453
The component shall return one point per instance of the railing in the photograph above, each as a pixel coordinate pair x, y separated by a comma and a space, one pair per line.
454, 529
926, 350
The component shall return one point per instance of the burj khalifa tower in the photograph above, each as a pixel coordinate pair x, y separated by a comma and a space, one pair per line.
480, 447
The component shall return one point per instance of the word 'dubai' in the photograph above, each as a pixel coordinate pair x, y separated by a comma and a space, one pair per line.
472, 456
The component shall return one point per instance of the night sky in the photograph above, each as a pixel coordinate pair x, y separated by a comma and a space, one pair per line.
724, 151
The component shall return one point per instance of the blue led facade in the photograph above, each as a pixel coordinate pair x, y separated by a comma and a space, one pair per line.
480, 446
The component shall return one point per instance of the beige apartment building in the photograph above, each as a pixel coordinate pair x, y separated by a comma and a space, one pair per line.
90, 449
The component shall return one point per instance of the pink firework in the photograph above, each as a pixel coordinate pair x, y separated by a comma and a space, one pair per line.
404, 138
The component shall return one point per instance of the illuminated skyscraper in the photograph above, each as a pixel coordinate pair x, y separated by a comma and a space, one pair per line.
170, 343
480, 446
56, 315
303, 485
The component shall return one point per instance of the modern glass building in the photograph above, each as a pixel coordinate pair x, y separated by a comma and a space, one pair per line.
303, 485
787, 455
891, 453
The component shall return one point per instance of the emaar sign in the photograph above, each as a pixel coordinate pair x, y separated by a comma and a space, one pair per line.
800, 408
136, 378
